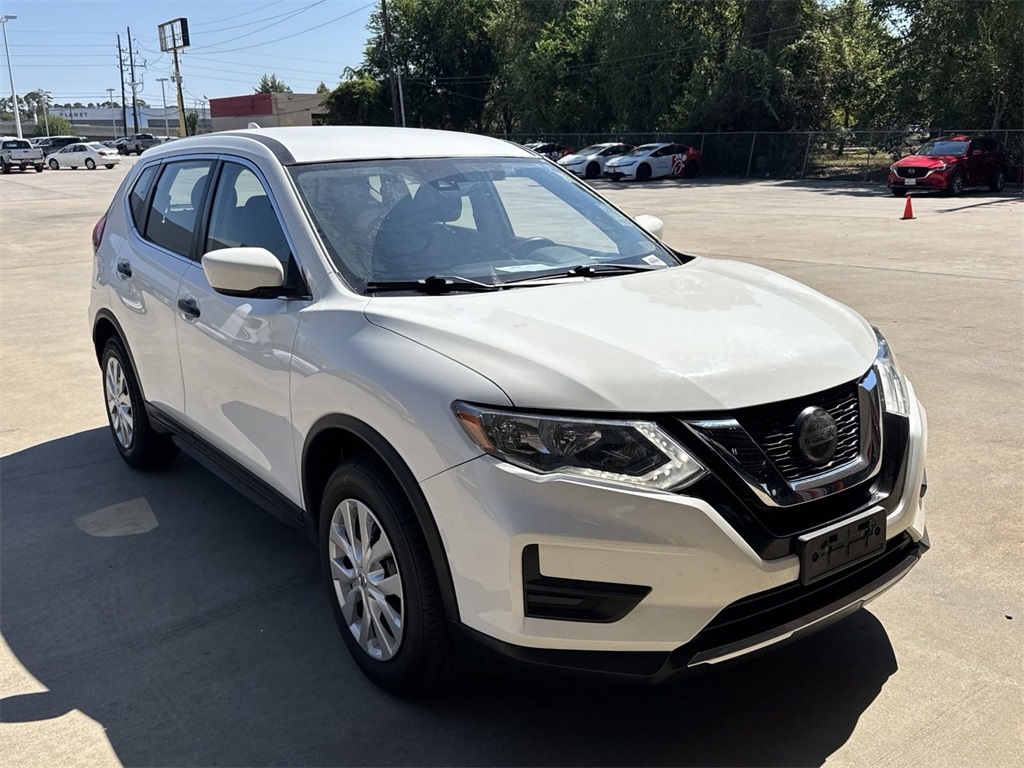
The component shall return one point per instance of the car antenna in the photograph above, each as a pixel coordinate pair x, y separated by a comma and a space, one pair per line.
251, 126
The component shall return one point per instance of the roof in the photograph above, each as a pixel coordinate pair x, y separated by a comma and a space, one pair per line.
315, 144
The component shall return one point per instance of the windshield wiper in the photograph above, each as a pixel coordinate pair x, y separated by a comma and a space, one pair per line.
592, 270
433, 285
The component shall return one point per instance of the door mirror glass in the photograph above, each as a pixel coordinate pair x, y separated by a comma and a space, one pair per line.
652, 224
243, 271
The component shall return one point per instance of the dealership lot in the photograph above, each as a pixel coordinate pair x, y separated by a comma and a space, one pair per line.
162, 619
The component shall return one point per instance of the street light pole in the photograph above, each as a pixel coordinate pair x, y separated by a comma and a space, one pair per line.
163, 97
113, 112
10, 71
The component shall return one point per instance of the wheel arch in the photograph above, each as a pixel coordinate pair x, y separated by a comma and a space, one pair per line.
105, 327
336, 436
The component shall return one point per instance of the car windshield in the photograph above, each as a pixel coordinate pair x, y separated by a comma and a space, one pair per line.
492, 220
593, 149
642, 150
937, 148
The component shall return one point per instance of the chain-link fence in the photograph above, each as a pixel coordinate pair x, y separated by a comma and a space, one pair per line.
840, 155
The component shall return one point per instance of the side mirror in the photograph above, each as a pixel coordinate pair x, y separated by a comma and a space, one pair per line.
976, 152
243, 271
652, 224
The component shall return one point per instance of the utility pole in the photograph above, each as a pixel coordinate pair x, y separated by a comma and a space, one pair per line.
399, 115
14, 92
124, 101
134, 83
181, 99
113, 114
46, 109
163, 97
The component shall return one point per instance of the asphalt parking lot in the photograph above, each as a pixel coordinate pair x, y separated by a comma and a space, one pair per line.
160, 619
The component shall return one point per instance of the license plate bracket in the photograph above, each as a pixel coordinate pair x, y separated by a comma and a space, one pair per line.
841, 545
910, 182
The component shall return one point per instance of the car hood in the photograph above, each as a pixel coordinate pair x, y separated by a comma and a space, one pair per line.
706, 336
626, 159
925, 161
575, 158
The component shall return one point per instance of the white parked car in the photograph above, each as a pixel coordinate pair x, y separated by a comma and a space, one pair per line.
655, 161
88, 155
589, 162
515, 423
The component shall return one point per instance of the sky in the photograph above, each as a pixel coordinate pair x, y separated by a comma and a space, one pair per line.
69, 47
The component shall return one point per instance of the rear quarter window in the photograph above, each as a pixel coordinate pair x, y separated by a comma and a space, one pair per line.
139, 194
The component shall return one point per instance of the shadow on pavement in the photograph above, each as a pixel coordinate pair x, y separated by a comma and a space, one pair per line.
194, 629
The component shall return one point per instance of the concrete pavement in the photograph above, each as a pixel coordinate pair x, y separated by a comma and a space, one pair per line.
160, 619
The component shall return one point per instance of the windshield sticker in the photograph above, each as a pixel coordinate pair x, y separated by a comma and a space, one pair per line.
654, 261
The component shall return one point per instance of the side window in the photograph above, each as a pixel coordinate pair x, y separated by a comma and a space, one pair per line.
242, 215
137, 198
176, 200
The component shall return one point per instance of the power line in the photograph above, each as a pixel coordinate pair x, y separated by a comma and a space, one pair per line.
235, 16
289, 15
296, 34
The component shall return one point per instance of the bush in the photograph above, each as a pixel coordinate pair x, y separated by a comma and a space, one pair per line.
59, 126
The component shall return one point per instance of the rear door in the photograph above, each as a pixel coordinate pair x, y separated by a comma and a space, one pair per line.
977, 173
164, 204
236, 351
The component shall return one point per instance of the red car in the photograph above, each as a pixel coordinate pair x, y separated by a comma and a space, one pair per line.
949, 164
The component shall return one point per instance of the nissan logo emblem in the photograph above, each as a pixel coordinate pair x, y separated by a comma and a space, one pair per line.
816, 435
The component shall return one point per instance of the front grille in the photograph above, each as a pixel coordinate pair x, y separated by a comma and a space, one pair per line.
773, 428
911, 172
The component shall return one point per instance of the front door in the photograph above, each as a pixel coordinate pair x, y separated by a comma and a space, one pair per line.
236, 352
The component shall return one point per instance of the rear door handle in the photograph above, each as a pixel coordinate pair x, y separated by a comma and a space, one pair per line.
189, 307
124, 268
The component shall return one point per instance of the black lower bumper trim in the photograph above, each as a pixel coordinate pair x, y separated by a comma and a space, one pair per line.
795, 607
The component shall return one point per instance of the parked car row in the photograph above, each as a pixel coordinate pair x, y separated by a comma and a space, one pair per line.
616, 160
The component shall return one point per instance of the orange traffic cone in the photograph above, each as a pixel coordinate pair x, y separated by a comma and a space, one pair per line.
908, 210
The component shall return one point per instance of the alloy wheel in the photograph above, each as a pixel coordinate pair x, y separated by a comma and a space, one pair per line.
958, 184
119, 403
366, 579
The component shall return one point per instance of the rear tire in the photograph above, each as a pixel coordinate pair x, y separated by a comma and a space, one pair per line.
999, 182
363, 508
90, 164
39, 168
110, 166
691, 170
643, 173
139, 445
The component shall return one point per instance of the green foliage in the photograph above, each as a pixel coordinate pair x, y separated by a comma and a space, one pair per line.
271, 84
59, 126
622, 66
191, 123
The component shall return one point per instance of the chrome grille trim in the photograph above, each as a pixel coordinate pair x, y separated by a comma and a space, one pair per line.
754, 466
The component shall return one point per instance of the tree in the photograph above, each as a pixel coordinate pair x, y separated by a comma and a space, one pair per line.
191, 123
59, 126
271, 84
322, 89
359, 99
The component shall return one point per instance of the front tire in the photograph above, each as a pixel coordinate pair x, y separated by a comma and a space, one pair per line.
381, 581
999, 182
139, 445
643, 173
54, 165
898, 191
956, 184
90, 164
593, 171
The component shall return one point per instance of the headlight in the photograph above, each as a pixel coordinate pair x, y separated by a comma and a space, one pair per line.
894, 390
635, 452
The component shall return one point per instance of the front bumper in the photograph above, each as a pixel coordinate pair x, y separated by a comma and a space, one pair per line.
690, 570
932, 181
616, 173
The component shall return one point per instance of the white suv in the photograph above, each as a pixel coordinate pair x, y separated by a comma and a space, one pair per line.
514, 421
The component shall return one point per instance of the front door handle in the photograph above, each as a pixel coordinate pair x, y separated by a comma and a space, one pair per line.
189, 307
124, 268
